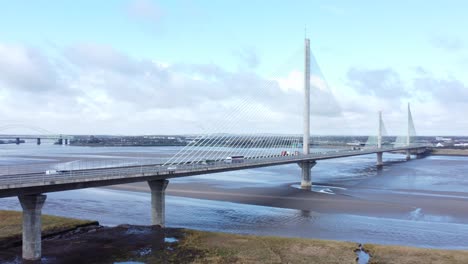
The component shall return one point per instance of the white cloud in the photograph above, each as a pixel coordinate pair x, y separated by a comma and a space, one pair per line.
95, 89
103, 90
249, 57
447, 43
26, 69
144, 9
294, 81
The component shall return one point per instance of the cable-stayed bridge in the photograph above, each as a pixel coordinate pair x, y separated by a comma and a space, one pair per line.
211, 153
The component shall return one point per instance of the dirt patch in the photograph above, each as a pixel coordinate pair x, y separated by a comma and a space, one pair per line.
111, 244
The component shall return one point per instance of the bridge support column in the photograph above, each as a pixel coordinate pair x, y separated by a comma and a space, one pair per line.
32, 208
408, 154
38, 141
306, 168
158, 201
379, 159
66, 141
18, 141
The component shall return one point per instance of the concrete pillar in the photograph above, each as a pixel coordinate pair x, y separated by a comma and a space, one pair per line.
158, 201
408, 154
379, 159
379, 134
305, 140
59, 141
408, 132
66, 141
38, 141
306, 168
32, 207
17, 141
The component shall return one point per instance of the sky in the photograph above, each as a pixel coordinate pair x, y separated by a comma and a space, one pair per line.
175, 67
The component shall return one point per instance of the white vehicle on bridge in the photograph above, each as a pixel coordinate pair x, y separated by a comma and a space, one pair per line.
208, 162
52, 172
234, 159
172, 168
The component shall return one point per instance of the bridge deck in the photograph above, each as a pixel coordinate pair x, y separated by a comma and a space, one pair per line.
32, 183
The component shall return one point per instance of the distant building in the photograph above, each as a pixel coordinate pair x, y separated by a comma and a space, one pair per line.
443, 139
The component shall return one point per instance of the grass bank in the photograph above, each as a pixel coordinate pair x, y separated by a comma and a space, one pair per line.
406, 255
11, 226
449, 152
150, 244
230, 248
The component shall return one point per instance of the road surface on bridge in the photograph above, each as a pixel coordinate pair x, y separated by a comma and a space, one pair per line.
39, 182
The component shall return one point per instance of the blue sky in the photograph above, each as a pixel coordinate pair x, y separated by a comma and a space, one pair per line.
374, 55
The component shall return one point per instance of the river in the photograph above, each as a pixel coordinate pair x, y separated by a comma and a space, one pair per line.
431, 192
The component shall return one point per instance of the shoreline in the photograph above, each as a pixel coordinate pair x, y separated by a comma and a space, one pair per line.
153, 244
449, 152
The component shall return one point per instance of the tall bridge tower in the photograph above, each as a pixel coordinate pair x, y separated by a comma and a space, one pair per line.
306, 167
408, 136
306, 136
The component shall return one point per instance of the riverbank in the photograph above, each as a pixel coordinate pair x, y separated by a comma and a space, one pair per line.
11, 226
153, 244
449, 152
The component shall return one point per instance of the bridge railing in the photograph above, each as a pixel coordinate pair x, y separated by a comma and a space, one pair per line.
35, 174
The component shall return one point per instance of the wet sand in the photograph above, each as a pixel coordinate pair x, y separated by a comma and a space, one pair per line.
356, 201
449, 152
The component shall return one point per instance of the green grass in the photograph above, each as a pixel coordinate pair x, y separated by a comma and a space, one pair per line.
230, 248
405, 255
11, 224
209, 247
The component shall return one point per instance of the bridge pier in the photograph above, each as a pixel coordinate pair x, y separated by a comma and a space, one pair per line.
38, 141
408, 154
18, 141
158, 201
66, 141
379, 159
32, 208
306, 168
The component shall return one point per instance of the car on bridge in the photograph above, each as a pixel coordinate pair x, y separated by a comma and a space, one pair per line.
208, 162
52, 172
234, 159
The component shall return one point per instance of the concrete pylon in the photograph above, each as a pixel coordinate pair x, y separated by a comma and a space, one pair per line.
408, 135
32, 224
305, 140
158, 201
379, 142
306, 168
379, 159
379, 135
